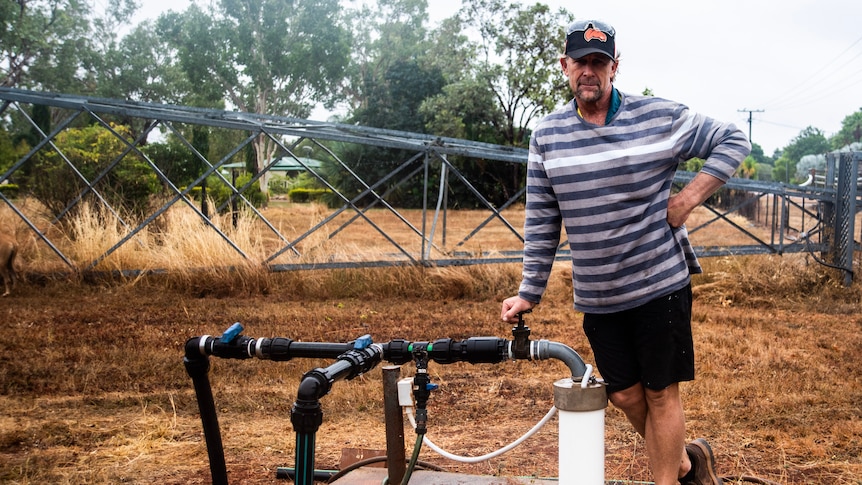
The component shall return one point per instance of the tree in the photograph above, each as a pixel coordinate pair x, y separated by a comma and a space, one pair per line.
41, 42
93, 151
757, 153
57, 45
392, 74
810, 163
850, 132
384, 33
264, 56
782, 169
11, 150
747, 169
810, 141
465, 109
142, 67
519, 55
393, 101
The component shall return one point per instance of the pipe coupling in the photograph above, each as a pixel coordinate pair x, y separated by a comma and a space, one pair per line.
569, 395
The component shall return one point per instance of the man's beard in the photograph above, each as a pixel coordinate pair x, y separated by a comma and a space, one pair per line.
589, 96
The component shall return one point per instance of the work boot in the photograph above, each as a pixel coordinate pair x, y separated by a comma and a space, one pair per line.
702, 464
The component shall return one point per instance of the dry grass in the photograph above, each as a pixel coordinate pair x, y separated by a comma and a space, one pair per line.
94, 391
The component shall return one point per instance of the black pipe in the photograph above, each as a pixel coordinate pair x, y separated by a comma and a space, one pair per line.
283, 473
306, 415
475, 350
198, 370
277, 349
394, 419
284, 349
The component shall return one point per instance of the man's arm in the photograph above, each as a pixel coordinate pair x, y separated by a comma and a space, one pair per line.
680, 206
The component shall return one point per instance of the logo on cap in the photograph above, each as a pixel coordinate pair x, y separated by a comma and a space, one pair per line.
595, 34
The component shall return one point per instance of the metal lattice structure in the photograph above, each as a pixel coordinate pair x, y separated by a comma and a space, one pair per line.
789, 222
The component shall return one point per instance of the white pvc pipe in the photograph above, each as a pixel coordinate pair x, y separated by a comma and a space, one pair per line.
581, 409
582, 447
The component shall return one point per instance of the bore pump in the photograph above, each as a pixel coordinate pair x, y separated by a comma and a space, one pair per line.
581, 394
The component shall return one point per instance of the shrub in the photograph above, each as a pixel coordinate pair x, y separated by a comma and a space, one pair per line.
9, 190
303, 194
219, 192
92, 150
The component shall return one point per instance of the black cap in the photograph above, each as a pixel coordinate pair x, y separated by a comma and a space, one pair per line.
590, 36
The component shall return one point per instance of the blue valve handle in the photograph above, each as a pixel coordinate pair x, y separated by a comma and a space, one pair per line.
231, 333
362, 342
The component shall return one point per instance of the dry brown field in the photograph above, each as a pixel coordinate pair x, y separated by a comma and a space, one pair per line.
93, 389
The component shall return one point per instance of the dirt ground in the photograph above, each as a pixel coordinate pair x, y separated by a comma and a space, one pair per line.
94, 389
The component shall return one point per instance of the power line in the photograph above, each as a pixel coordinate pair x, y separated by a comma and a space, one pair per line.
791, 94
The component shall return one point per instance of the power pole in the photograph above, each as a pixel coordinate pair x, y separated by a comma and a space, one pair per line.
749, 111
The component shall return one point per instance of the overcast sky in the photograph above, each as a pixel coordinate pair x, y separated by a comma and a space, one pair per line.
795, 63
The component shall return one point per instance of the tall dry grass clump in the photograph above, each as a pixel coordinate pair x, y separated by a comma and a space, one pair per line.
772, 279
181, 252
185, 253
177, 250
199, 259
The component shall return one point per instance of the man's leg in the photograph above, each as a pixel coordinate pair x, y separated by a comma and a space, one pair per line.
658, 417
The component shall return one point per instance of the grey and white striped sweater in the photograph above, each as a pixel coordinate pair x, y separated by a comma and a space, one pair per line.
609, 186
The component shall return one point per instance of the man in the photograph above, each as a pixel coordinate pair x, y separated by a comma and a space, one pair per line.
602, 166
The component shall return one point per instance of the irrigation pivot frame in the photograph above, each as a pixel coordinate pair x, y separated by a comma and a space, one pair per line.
818, 217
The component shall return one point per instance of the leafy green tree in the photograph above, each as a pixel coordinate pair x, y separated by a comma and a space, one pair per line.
58, 45
757, 153
393, 101
174, 160
850, 132
782, 169
693, 165
764, 172
497, 87
465, 109
264, 56
11, 150
392, 74
143, 67
747, 169
519, 50
810, 141
91, 150
384, 33
42, 42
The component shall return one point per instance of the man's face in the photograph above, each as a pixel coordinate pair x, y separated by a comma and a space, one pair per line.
590, 76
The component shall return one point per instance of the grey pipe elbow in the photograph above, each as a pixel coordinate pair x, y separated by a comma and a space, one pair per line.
546, 349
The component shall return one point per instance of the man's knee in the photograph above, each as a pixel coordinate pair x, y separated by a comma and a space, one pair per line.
664, 397
629, 399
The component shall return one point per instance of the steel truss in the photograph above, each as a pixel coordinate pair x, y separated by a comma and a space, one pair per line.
827, 228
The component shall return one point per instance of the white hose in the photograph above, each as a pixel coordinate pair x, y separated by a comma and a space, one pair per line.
586, 379
477, 459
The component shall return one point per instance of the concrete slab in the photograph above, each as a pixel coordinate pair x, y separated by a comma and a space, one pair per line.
375, 476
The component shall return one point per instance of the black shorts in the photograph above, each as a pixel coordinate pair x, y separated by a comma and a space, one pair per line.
650, 344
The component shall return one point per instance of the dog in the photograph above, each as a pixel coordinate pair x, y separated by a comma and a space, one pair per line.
8, 251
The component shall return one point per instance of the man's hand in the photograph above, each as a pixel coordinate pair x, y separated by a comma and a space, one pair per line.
513, 306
